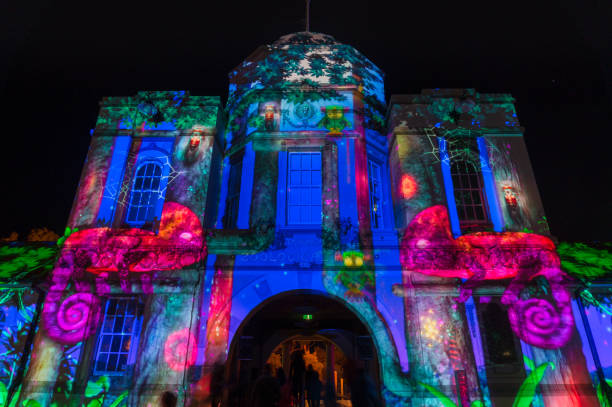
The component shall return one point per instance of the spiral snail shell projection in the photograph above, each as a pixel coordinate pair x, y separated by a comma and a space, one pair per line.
428, 247
537, 321
73, 319
101, 251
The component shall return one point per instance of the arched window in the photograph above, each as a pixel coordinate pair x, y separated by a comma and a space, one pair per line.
469, 194
145, 193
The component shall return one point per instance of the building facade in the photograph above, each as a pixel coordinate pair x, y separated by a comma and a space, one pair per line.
308, 215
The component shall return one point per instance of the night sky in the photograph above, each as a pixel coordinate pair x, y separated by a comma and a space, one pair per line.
554, 57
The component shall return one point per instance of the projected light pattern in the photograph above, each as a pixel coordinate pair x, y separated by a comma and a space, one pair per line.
334, 119
103, 250
428, 247
119, 193
431, 328
355, 275
409, 186
307, 182
180, 350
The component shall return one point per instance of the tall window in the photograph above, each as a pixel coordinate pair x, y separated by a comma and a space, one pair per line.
469, 194
304, 188
498, 336
117, 336
233, 195
374, 178
145, 194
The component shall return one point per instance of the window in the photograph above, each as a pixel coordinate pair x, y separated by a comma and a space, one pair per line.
468, 191
145, 194
233, 195
468, 185
498, 336
374, 178
304, 188
118, 336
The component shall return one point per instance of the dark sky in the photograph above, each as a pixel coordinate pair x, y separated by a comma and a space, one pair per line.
554, 57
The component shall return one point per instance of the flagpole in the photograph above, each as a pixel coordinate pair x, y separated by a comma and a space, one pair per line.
307, 15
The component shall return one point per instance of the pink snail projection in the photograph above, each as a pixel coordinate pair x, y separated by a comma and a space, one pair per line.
428, 247
99, 251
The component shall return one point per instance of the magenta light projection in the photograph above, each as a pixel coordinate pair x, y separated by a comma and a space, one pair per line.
179, 243
180, 350
428, 247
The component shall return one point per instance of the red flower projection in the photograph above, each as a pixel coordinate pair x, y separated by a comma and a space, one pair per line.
179, 243
409, 186
429, 248
180, 350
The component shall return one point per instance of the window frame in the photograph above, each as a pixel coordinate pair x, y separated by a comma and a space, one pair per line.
377, 214
134, 337
234, 187
287, 204
460, 177
458, 227
153, 203
147, 149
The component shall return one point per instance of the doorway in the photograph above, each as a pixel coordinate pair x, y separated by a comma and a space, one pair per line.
327, 333
326, 358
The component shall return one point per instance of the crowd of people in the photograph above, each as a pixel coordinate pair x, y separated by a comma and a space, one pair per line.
302, 387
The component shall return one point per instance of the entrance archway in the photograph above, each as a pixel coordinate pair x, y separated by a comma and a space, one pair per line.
298, 319
324, 355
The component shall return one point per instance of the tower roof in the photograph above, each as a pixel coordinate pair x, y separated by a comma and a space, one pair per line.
306, 38
306, 58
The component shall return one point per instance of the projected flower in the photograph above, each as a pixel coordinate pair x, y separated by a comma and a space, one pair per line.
180, 350
409, 186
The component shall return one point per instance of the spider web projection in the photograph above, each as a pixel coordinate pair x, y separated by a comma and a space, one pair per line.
119, 194
459, 147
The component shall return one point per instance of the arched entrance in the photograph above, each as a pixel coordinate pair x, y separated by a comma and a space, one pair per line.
324, 329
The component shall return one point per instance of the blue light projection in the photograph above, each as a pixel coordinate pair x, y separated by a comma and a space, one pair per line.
448, 187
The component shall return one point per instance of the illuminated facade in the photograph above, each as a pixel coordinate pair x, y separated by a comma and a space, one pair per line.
419, 219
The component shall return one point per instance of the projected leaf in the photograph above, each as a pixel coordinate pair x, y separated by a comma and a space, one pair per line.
18, 261
119, 399
3, 394
587, 262
527, 391
603, 399
446, 402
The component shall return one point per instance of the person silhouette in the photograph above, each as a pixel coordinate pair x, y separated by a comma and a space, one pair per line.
266, 392
168, 399
296, 374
